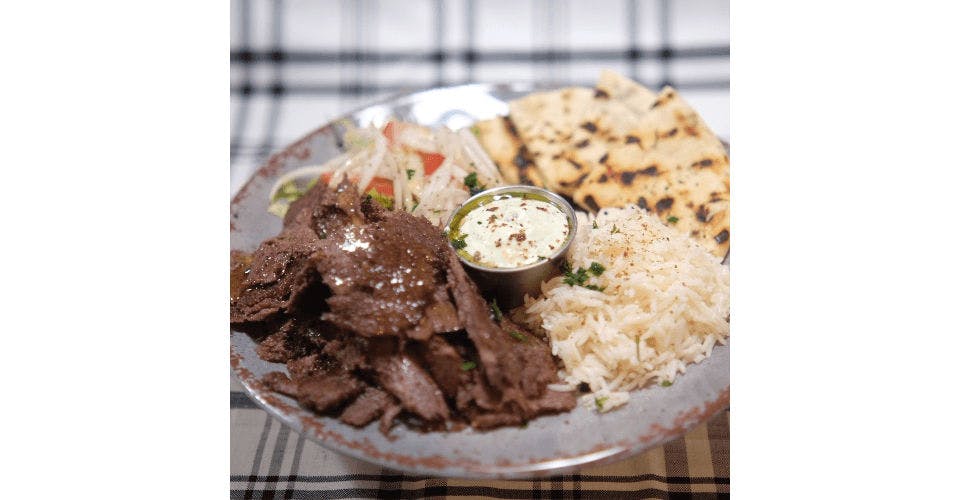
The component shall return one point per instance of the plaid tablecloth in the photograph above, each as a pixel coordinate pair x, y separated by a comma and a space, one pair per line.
269, 460
296, 64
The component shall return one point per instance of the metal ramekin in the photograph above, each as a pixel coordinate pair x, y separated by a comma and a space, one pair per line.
510, 285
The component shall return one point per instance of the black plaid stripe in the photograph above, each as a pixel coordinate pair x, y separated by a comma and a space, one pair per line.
718, 431
258, 457
239, 121
473, 58
240, 401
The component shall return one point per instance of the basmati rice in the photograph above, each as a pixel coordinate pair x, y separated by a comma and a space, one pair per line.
661, 303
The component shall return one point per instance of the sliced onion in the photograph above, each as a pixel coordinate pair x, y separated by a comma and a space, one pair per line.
373, 166
476, 154
311, 171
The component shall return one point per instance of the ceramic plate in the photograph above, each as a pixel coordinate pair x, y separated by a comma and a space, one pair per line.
548, 445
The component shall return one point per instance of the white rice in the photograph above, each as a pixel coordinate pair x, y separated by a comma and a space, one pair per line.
665, 303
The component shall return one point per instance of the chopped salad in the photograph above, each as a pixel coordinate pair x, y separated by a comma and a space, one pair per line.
403, 166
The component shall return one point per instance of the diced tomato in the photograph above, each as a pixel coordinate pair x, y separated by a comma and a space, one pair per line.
389, 132
383, 186
325, 177
431, 161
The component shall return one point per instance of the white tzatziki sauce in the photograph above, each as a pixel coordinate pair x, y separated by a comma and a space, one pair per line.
513, 231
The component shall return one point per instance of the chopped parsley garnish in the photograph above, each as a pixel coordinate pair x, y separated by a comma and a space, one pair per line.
596, 268
578, 278
471, 182
415, 205
496, 310
615, 229
468, 365
672, 219
600, 401
595, 226
459, 243
666, 383
410, 173
519, 336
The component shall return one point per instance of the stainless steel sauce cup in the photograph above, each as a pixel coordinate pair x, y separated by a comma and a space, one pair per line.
509, 285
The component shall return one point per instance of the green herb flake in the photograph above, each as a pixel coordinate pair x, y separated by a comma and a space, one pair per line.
672, 219
595, 288
666, 383
615, 229
470, 181
596, 268
468, 365
519, 336
415, 205
578, 278
476, 130
497, 314
600, 401
595, 226
459, 243
410, 173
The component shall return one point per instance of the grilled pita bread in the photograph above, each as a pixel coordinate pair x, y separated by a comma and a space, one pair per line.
498, 136
672, 165
616, 144
569, 131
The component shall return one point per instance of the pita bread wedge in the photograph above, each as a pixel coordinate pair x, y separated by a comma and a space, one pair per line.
620, 88
567, 132
498, 136
672, 165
